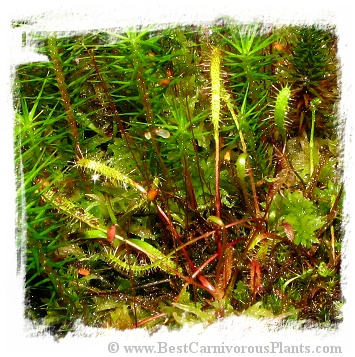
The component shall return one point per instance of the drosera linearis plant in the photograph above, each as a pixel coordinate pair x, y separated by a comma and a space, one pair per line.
118, 177
172, 175
280, 110
69, 208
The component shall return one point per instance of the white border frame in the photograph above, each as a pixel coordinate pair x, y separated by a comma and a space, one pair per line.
77, 15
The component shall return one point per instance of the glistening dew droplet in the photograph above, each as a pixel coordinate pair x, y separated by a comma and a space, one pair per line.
162, 132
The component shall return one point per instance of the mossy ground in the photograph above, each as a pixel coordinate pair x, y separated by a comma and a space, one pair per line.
181, 175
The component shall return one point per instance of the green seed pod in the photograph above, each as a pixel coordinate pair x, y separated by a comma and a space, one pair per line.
216, 220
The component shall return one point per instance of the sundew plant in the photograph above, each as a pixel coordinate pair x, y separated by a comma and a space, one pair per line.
180, 175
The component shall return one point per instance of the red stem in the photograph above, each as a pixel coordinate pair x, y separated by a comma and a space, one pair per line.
208, 286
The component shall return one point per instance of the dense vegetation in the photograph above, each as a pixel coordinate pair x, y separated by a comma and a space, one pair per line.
182, 174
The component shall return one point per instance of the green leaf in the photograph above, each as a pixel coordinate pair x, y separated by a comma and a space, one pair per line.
281, 108
303, 216
257, 310
204, 316
324, 271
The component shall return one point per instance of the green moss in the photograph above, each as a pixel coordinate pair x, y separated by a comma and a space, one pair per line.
167, 140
